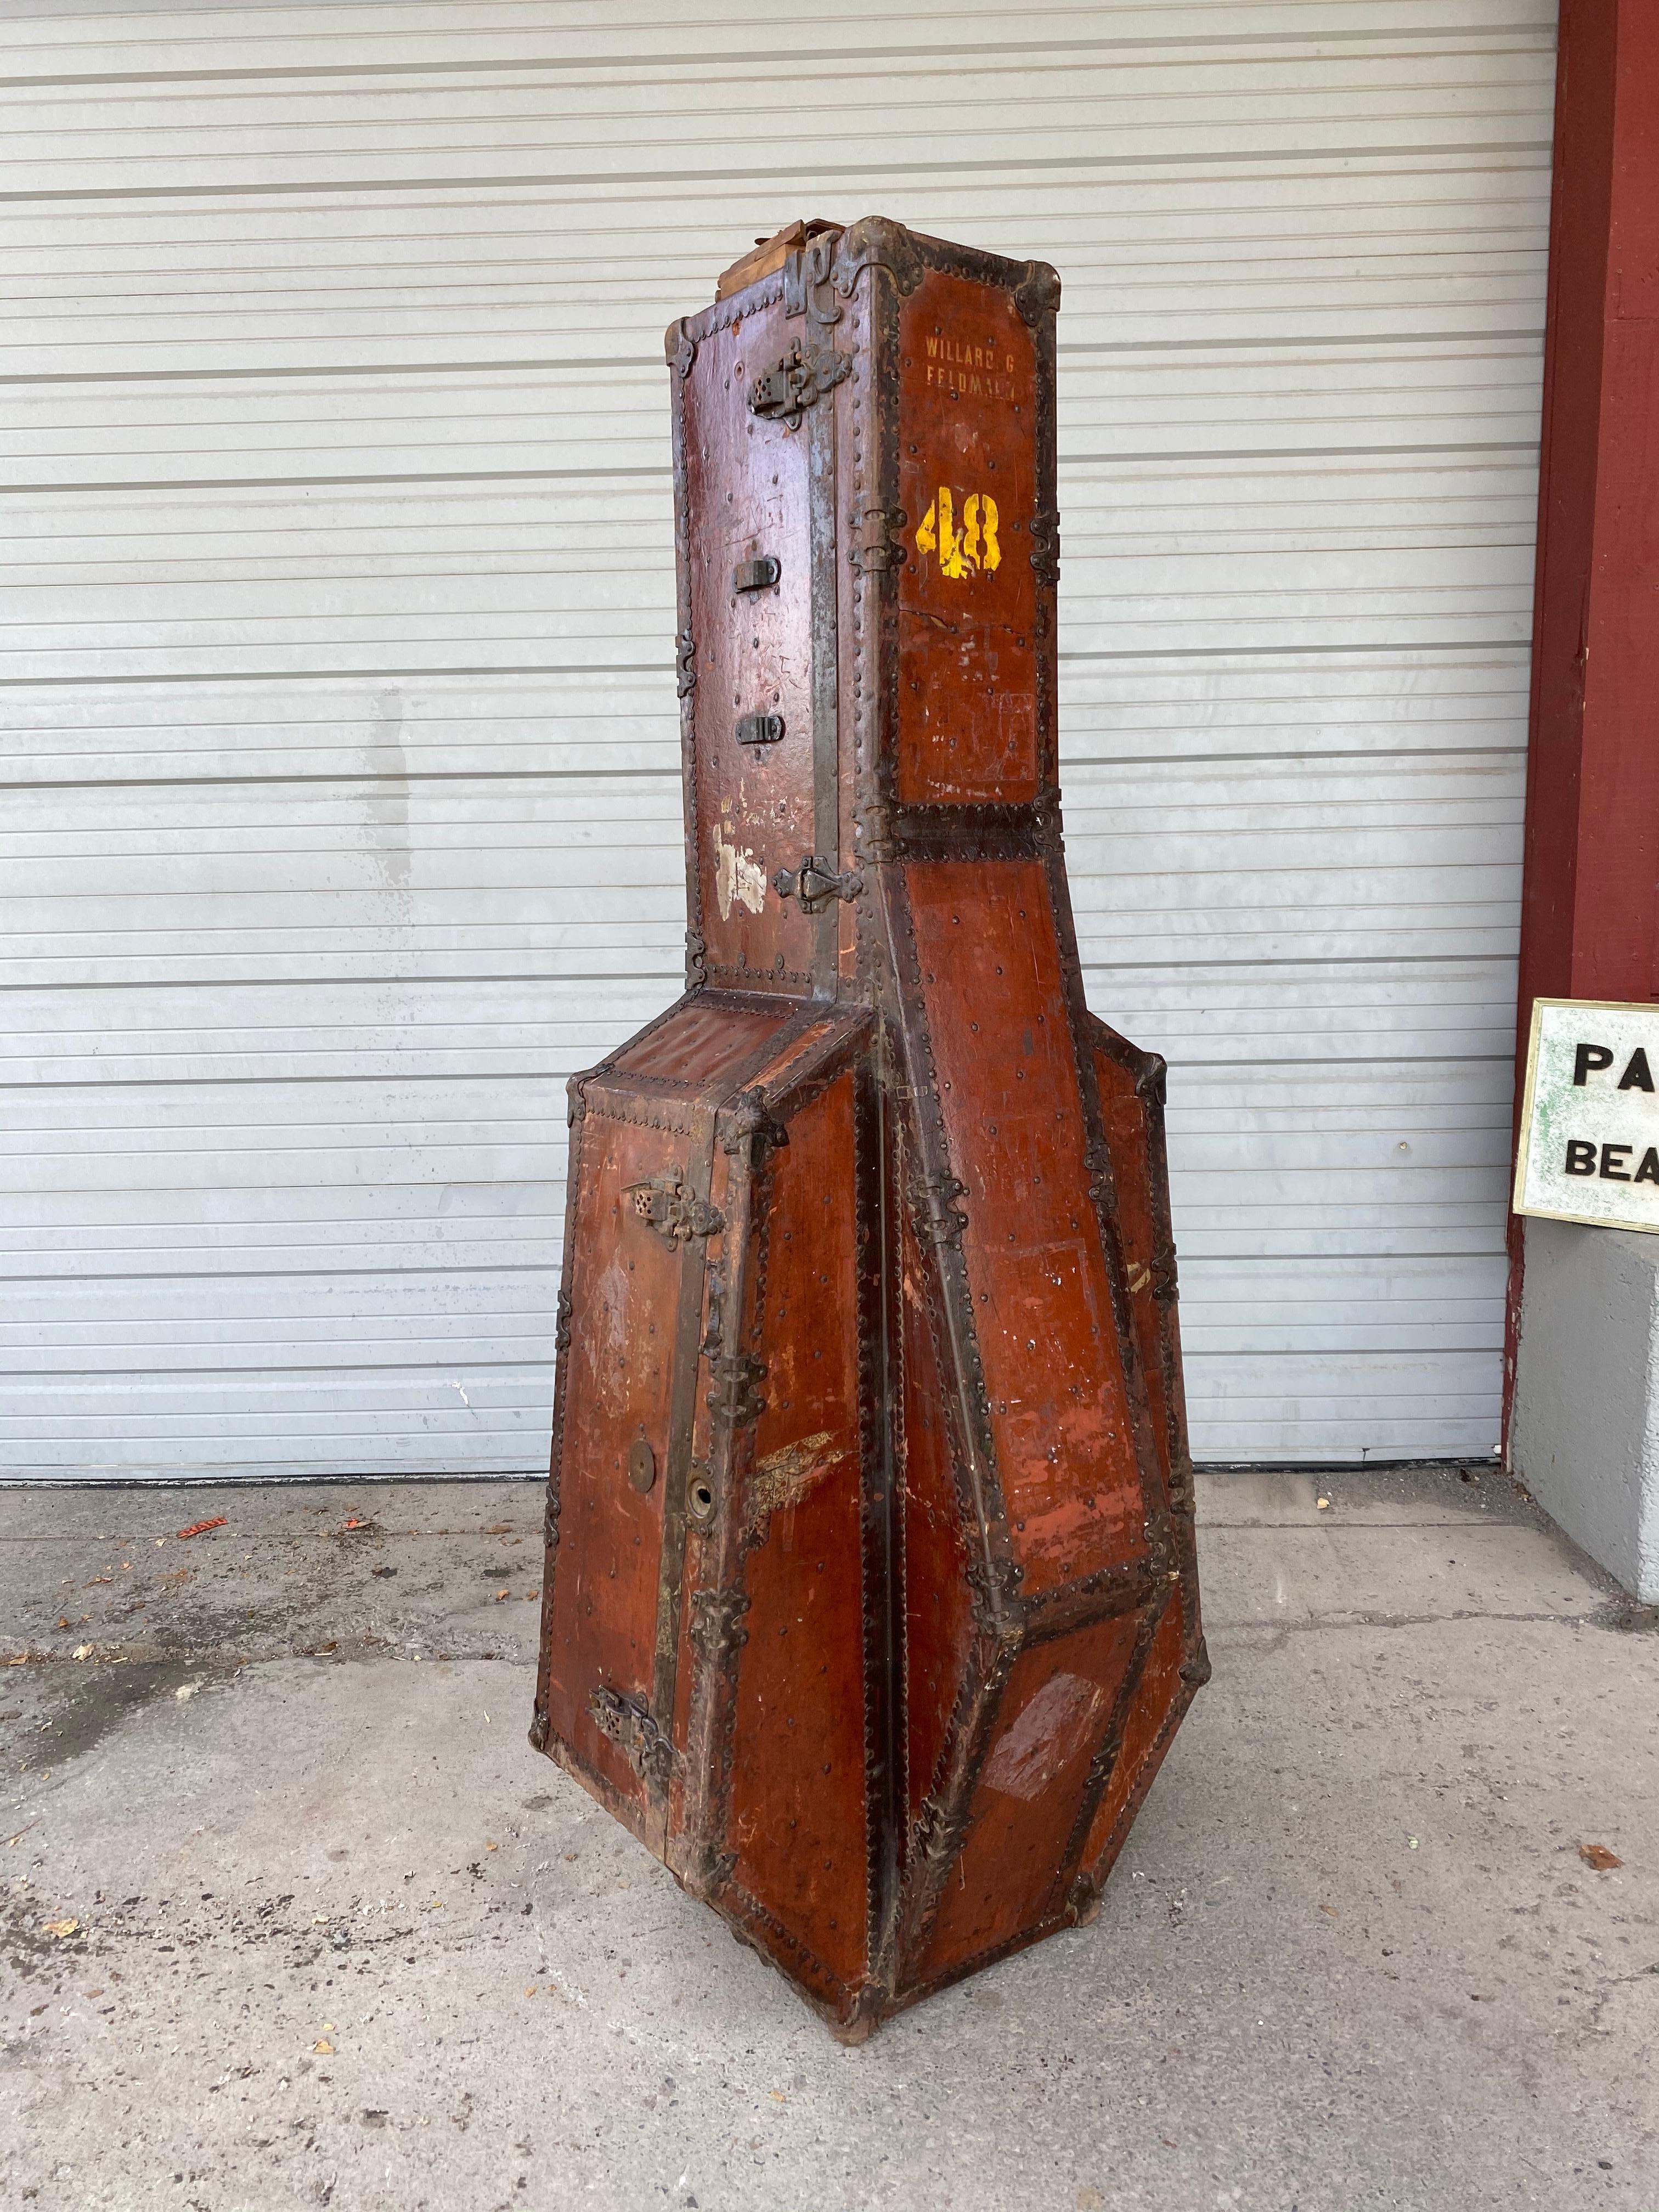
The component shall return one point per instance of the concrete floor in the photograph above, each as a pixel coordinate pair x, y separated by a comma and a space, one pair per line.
295, 1917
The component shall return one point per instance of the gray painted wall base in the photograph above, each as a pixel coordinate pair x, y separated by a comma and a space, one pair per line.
1584, 1434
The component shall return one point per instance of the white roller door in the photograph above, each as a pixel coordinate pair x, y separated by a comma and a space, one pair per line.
340, 816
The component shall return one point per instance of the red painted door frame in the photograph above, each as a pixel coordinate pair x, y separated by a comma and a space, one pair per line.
1590, 904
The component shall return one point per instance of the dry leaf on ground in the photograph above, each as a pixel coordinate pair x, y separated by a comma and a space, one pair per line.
1599, 1856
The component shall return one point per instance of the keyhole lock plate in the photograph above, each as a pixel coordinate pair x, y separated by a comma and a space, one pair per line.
699, 1496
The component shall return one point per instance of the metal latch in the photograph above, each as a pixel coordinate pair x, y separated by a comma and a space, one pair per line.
757, 575
676, 1214
759, 729
815, 885
628, 1723
805, 372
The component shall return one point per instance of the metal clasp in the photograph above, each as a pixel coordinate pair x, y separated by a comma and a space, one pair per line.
676, 1214
628, 1723
757, 575
805, 372
815, 885
759, 729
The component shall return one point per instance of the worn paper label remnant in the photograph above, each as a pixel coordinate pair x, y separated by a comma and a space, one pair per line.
739, 878
784, 1477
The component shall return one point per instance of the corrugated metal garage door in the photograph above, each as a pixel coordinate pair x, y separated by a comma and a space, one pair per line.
341, 818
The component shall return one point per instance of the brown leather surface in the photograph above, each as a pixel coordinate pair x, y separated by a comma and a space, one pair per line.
1037, 1268
601, 1626
797, 1823
967, 629
751, 809
1052, 1720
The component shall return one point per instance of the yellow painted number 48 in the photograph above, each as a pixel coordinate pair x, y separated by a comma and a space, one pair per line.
967, 551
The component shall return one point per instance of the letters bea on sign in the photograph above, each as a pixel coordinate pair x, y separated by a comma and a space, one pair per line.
1583, 1158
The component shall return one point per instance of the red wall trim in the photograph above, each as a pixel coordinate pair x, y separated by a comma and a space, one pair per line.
1589, 909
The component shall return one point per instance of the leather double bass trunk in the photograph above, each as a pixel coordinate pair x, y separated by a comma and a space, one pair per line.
869, 1602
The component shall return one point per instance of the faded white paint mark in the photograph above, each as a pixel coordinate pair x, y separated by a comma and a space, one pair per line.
1045, 1736
739, 878
606, 1339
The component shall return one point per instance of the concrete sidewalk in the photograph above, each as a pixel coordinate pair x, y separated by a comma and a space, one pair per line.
295, 1917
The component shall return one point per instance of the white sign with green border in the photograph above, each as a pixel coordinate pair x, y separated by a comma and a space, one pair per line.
1589, 1122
